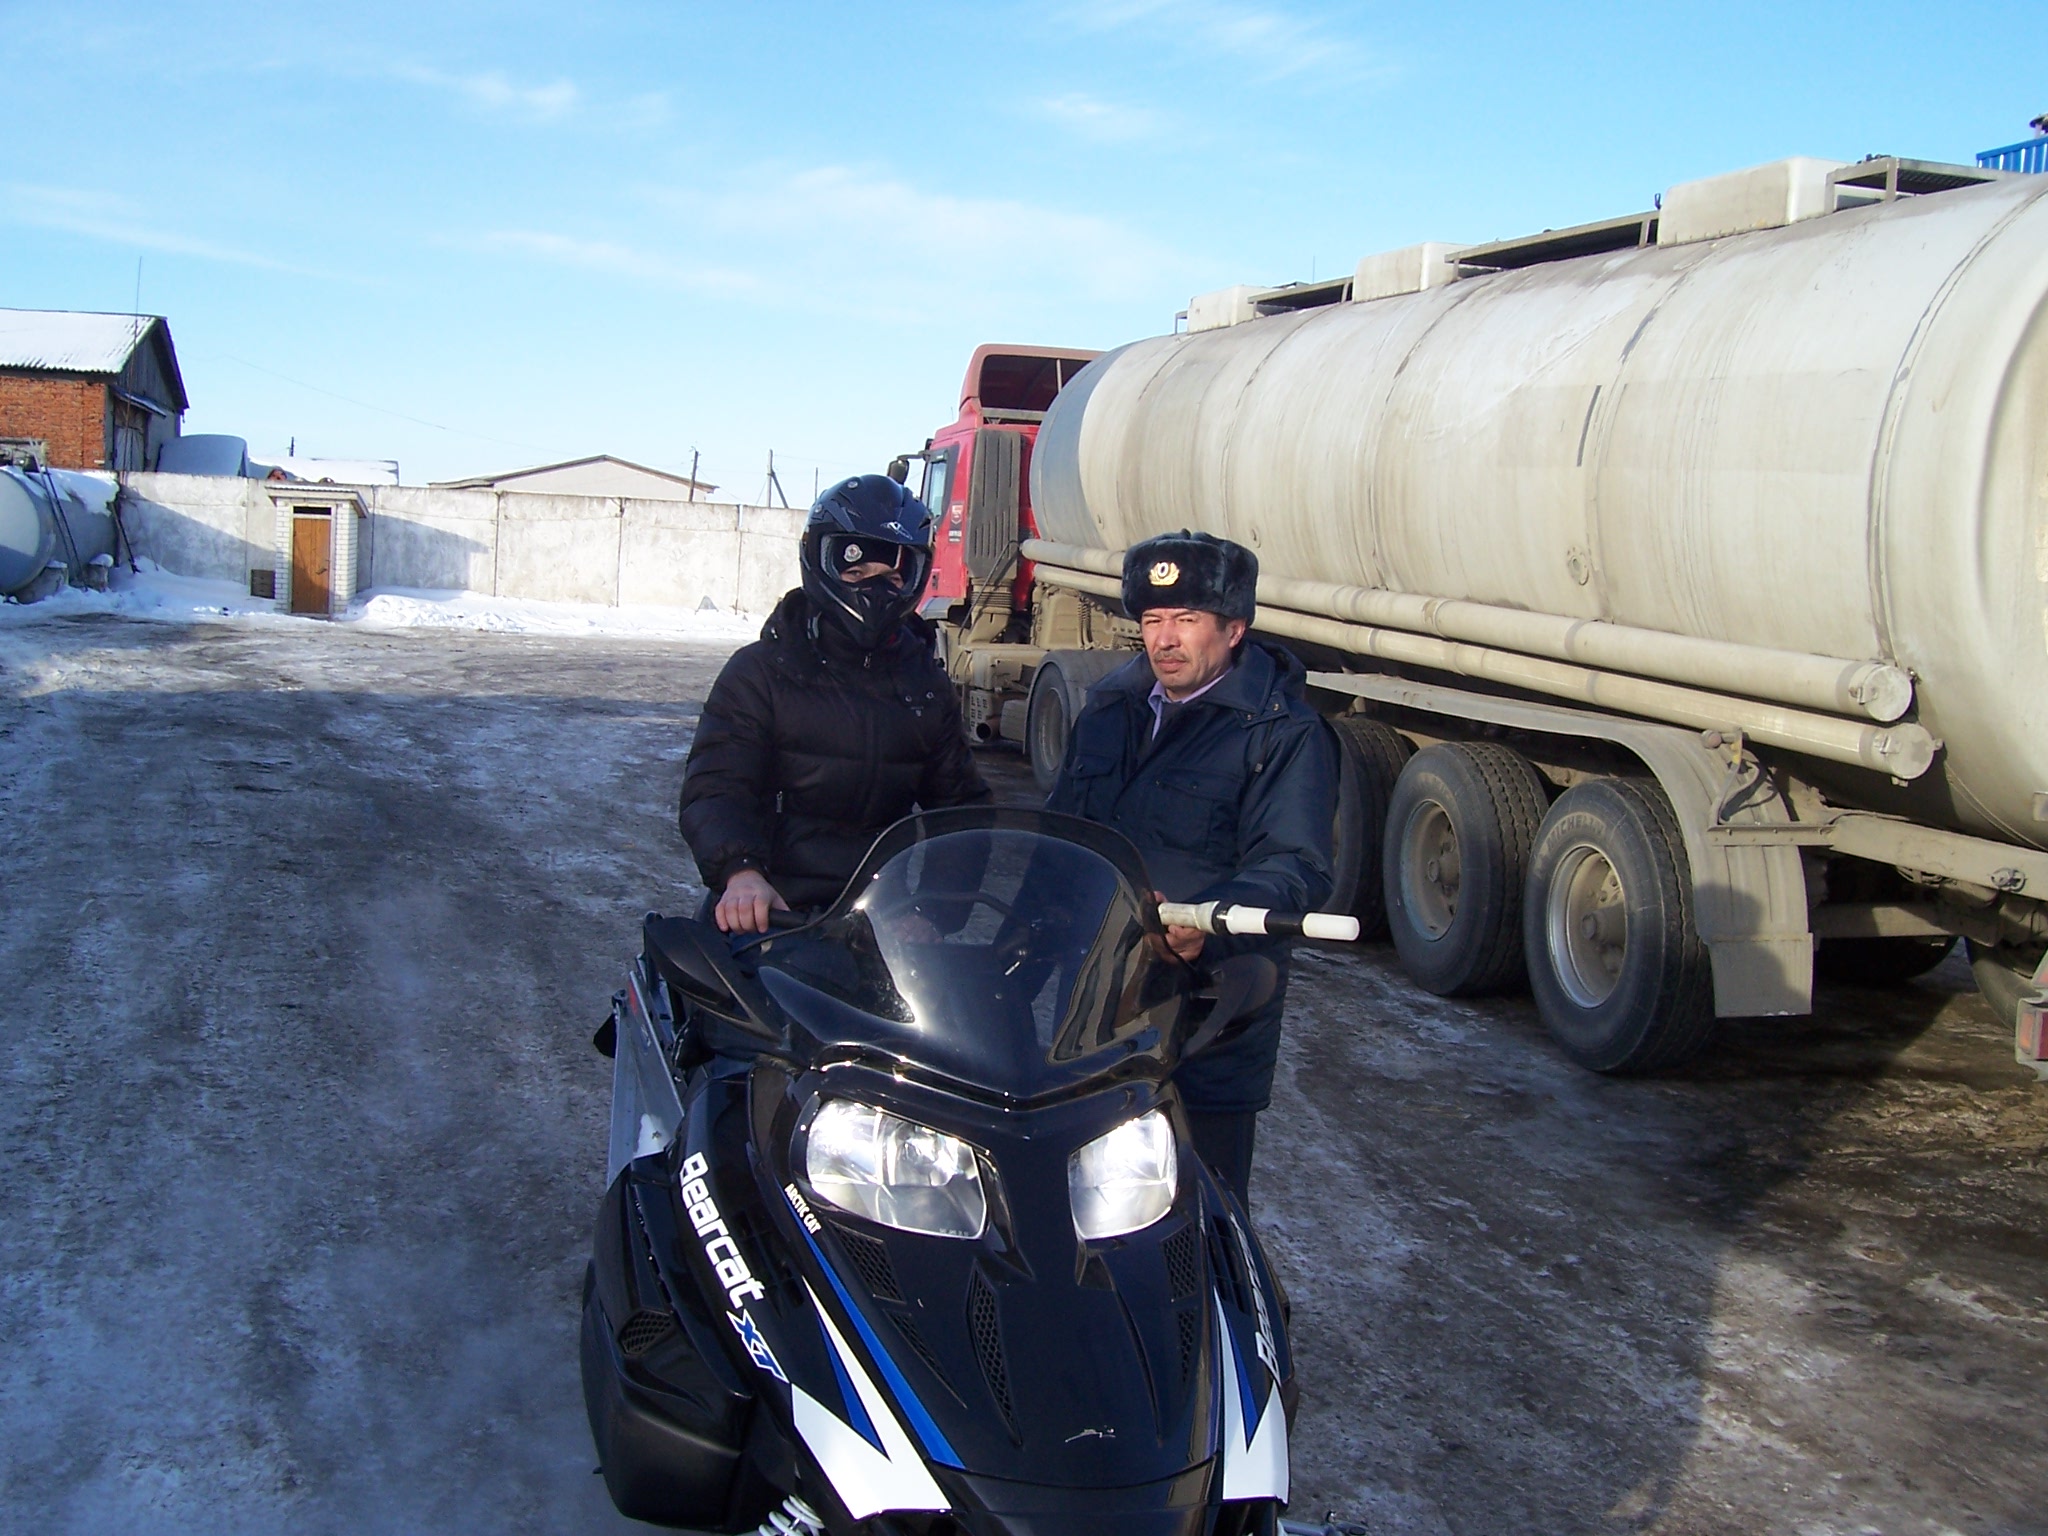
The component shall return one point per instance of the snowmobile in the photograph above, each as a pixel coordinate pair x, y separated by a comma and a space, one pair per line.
903, 1231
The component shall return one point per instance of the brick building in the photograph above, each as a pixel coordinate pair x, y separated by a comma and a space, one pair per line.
84, 391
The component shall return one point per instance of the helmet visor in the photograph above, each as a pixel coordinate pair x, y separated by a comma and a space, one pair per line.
853, 557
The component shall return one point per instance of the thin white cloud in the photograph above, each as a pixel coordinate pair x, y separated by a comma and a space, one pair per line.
98, 216
1271, 43
848, 241
856, 227
615, 259
491, 91
1103, 122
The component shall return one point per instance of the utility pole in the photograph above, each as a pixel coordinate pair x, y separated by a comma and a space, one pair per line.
693, 474
774, 486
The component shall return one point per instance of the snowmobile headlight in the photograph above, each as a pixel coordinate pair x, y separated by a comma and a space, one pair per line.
895, 1171
1124, 1180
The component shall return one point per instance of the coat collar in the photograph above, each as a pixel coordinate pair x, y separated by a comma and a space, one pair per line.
806, 641
1258, 685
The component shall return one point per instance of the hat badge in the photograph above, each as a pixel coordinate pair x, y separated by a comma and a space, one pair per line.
1164, 573
851, 554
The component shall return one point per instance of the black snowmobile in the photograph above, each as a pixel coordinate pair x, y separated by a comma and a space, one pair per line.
904, 1233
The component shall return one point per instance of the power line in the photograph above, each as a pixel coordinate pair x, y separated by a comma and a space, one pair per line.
331, 394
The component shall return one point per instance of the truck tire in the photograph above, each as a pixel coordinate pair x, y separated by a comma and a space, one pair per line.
1059, 687
2004, 976
1878, 962
1047, 724
1460, 825
1370, 757
1621, 977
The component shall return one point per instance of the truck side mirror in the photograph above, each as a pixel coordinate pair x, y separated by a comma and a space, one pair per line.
899, 469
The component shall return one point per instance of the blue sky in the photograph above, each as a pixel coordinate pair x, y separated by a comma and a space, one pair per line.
470, 237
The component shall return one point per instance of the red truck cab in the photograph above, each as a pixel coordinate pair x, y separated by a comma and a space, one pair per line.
977, 472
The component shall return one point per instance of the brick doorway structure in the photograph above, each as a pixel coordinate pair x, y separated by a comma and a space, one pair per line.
315, 547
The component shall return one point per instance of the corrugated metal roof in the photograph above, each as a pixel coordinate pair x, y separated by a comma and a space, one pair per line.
69, 342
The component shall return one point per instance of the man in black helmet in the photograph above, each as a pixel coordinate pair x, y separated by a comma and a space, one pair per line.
836, 722
1203, 753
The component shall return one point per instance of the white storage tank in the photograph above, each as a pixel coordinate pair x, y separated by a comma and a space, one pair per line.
53, 531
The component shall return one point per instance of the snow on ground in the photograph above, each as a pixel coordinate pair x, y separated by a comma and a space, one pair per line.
408, 608
154, 593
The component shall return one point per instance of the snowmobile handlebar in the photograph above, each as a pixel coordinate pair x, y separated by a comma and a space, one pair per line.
1214, 917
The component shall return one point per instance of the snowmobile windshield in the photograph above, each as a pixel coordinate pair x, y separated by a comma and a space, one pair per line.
1003, 949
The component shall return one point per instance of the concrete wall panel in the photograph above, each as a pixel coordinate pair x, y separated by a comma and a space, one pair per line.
199, 525
558, 549
768, 555
678, 553
432, 539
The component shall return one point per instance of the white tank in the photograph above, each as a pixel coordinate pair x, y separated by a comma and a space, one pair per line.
1828, 438
53, 527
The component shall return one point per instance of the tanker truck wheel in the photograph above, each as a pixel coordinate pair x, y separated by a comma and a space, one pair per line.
1460, 825
1046, 725
1059, 687
1620, 975
2004, 976
1370, 758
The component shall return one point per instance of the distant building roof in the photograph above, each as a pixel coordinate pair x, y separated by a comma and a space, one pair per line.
601, 474
67, 341
327, 471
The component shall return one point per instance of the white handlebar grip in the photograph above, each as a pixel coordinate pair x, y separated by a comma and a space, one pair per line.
1329, 925
1186, 914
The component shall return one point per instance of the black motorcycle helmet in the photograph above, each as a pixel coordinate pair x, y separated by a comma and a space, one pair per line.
869, 517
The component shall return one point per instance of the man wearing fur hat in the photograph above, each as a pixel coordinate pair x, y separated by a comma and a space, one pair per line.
1203, 753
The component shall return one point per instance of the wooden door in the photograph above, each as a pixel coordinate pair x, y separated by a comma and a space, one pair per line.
312, 563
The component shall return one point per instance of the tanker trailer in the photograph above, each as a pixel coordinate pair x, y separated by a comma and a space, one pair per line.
1677, 584
51, 533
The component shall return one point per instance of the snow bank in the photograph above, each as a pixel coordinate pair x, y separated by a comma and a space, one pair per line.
156, 594
410, 608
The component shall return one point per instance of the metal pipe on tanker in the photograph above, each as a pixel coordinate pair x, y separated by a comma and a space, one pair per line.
1902, 751
1869, 688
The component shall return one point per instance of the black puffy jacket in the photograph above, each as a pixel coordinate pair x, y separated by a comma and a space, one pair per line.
808, 747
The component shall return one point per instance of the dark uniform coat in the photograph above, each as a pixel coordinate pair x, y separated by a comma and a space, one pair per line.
1233, 802
809, 746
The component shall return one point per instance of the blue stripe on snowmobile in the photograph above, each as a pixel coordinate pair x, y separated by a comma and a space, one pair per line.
1252, 1412
856, 1410
936, 1445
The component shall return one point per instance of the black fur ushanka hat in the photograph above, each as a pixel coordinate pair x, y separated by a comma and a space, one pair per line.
1191, 570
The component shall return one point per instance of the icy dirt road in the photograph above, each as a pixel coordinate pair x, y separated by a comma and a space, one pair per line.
305, 931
